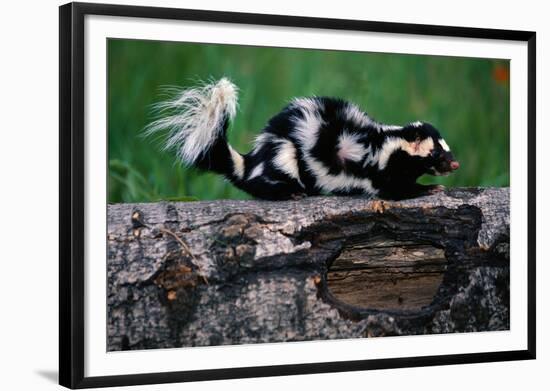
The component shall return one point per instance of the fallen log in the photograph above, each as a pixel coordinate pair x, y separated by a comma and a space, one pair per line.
233, 272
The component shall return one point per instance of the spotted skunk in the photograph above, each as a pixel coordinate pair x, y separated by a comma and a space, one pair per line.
315, 145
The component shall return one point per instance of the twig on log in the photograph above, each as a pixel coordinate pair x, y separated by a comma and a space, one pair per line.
136, 218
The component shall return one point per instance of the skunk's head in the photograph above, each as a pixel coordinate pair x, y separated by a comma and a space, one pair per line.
415, 150
433, 155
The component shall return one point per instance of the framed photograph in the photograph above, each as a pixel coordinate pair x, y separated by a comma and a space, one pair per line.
247, 195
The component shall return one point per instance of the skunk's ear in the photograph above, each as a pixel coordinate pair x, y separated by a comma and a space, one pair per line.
420, 147
415, 145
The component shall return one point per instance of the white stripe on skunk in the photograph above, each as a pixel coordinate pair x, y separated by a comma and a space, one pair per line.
195, 117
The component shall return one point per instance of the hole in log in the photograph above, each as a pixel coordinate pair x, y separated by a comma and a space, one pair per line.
387, 274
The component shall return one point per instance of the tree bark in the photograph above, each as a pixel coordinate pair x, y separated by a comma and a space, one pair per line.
233, 272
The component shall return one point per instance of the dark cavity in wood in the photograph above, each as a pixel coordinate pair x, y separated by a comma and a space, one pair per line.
382, 273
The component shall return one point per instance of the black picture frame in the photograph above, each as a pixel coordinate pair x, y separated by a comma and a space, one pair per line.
71, 189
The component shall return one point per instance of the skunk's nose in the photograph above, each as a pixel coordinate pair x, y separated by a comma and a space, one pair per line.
454, 165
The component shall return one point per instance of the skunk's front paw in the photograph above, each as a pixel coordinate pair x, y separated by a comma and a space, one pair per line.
298, 196
434, 189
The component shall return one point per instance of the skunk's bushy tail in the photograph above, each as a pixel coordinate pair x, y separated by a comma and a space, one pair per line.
196, 120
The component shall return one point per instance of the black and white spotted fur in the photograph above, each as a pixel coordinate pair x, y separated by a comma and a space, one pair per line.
315, 145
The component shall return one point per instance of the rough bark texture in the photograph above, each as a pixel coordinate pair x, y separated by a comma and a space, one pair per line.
232, 272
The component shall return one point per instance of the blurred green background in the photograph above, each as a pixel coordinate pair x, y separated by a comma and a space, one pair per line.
467, 99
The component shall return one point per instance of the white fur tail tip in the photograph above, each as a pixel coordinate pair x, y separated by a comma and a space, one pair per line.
195, 117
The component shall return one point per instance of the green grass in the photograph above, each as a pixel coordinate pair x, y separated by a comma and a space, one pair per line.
465, 98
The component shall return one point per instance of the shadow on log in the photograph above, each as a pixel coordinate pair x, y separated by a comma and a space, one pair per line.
233, 272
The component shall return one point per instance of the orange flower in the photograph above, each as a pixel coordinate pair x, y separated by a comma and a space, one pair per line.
501, 74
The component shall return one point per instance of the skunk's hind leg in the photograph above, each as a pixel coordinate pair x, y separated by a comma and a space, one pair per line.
270, 177
268, 188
